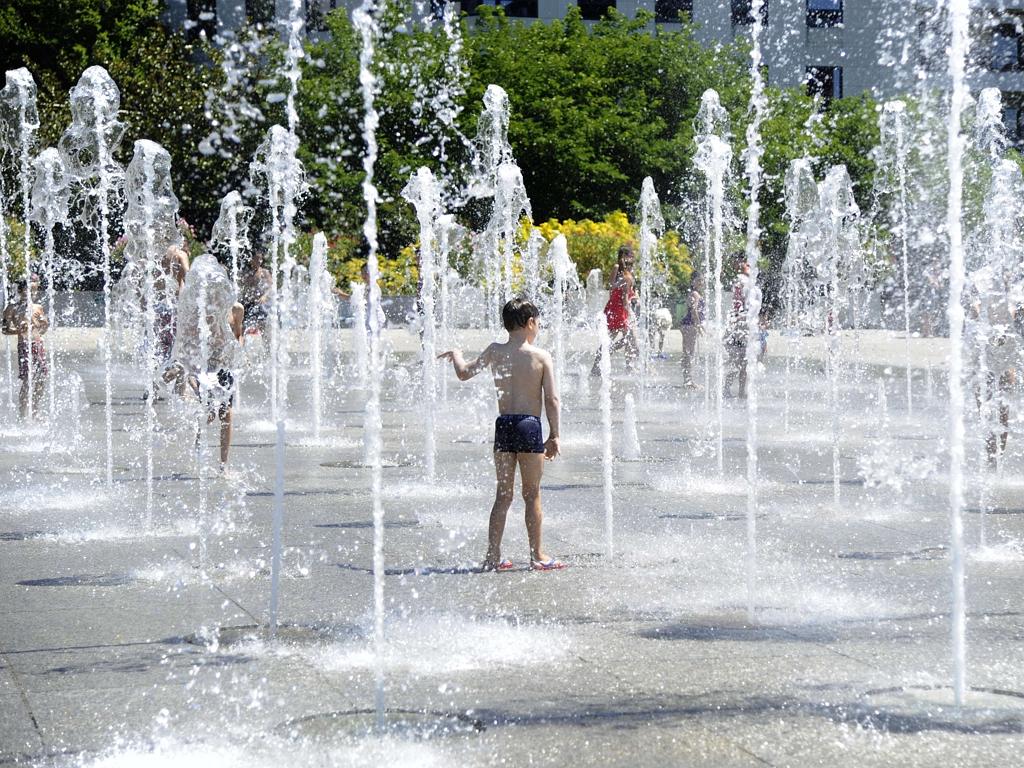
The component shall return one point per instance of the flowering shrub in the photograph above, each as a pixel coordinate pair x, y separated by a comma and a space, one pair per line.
595, 245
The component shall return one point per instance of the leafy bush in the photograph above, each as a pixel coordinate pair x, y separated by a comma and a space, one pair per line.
595, 245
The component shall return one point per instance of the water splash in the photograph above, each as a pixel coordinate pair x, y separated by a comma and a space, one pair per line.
151, 228
630, 436
650, 271
21, 125
490, 148
564, 272
713, 158
50, 209
607, 459
801, 206
893, 130
87, 147
365, 21
758, 107
424, 194
231, 231
959, 11
320, 284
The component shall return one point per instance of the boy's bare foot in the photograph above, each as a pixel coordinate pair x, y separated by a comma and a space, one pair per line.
490, 566
546, 564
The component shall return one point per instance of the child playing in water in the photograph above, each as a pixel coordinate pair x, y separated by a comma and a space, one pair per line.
206, 348
524, 379
30, 344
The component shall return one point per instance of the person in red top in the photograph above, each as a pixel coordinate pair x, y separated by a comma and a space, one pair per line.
618, 311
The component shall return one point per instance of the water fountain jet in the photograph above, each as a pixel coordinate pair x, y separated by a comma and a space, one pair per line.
87, 147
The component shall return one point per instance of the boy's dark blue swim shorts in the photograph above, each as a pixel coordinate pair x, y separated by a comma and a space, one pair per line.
518, 433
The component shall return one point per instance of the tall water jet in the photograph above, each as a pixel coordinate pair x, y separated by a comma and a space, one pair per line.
293, 54
447, 231
360, 334
366, 24
607, 459
837, 213
490, 148
319, 296
752, 158
801, 206
959, 12
230, 232
87, 147
21, 124
424, 194
713, 158
652, 227
562, 267
5, 286
151, 226
998, 287
630, 436
490, 160
204, 387
895, 149
447, 103
531, 265
511, 203
277, 170
50, 209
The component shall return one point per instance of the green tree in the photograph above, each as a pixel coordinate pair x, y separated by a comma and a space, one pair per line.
599, 108
408, 64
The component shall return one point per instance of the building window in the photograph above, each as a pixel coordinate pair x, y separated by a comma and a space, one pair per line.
1013, 117
436, 9
202, 19
825, 83
260, 11
316, 19
1005, 52
931, 37
593, 10
824, 13
519, 9
668, 11
741, 12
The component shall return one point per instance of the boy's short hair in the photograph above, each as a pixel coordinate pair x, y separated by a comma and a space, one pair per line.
517, 313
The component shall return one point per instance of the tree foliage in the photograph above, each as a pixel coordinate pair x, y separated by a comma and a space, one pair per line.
594, 108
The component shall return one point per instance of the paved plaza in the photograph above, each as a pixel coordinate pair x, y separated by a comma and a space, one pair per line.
134, 642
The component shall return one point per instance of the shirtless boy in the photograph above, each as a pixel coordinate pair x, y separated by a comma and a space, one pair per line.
524, 380
211, 378
32, 365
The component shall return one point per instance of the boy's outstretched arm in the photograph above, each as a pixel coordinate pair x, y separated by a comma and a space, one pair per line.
552, 408
463, 369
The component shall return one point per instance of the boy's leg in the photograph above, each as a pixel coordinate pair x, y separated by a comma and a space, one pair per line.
531, 468
23, 399
40, 386
505, 476
225, 435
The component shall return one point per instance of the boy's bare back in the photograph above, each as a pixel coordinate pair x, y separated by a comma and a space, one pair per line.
522, 375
